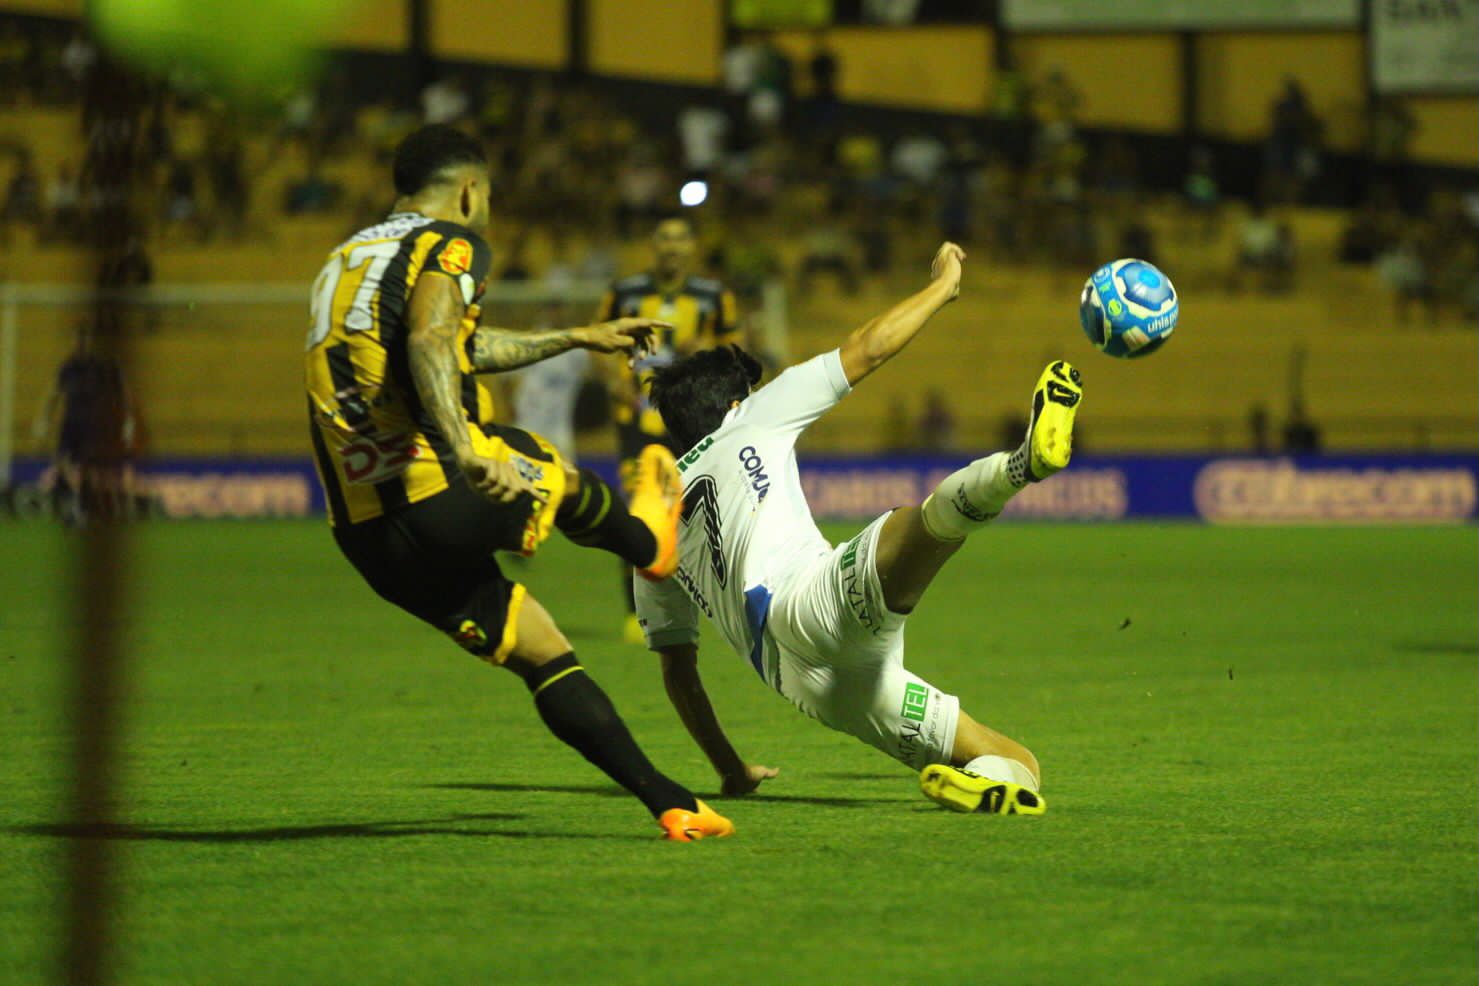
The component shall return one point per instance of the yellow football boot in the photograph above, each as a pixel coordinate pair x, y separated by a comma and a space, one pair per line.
963, 790
690, 826
1050, 432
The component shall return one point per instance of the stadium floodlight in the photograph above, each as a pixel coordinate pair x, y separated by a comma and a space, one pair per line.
693, 193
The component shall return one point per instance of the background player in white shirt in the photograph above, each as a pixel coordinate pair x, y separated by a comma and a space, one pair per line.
544, 402
824, 625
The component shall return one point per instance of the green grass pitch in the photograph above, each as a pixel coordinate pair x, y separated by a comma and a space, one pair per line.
1259, 750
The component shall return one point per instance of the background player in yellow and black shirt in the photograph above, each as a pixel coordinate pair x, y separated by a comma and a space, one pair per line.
700, 314
423, 488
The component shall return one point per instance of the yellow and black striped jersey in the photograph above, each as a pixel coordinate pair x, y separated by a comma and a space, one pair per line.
375, 446
703, 314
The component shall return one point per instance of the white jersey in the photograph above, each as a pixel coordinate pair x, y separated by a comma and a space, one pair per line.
746, 526
812, 620
545, 400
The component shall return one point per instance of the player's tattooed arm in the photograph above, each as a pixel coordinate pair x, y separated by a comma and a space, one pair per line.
686, 691
495, 350
437, 309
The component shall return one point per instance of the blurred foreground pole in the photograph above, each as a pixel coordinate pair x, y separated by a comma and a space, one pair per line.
113, 108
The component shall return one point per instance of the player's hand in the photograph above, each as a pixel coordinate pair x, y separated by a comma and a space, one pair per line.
633, 336
498, 481
947, 267
734, 785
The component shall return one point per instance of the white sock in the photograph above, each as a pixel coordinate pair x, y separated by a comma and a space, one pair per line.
973, 496
1003, 769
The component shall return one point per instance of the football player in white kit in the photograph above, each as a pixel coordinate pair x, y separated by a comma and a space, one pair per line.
824, 625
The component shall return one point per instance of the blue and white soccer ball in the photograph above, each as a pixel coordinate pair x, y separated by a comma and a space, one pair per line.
1128, 308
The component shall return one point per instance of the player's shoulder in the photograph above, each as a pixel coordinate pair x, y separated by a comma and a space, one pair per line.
707, 286
456, 231
396, 227
634, 284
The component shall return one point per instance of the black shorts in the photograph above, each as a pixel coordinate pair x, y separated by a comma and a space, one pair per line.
434, 559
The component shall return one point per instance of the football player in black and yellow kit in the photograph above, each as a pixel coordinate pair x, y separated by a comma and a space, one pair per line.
422, 492
699, 314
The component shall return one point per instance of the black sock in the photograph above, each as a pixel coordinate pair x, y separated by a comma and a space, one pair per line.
578, 712
597, 517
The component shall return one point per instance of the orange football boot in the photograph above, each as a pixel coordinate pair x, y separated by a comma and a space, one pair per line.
657, 501
690, 826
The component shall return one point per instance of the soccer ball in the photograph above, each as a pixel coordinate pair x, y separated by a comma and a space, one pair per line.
1128, 308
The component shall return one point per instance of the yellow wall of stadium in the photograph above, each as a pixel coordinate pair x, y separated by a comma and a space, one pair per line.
1242, 75
376, 25
1447, 129
656, 39
530, 32
936, 68
1131, 81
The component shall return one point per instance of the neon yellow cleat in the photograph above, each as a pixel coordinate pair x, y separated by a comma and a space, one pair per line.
1050, 432
963, 790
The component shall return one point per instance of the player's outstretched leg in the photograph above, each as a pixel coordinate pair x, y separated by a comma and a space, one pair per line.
644, 534
915, 543
988, 773
976, 494
581, 715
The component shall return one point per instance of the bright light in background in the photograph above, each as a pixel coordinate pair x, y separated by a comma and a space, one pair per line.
693, 193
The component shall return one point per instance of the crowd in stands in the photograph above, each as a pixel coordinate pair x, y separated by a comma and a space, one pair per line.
779, 161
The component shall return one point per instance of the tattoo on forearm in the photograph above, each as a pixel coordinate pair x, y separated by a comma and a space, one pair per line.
432, 354
504, 349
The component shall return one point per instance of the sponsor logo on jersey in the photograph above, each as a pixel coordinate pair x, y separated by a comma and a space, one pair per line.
372, 459
916, 701
693, 455
694, 592
754, 467
456, 257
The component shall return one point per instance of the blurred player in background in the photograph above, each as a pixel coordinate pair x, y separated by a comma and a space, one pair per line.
702, 314
824, 626
94, 419
545, 393
423, 487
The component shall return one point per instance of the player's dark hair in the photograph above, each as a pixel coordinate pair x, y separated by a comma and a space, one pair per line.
421, 158
694, 394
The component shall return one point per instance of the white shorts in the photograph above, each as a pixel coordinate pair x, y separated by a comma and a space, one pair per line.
839, 658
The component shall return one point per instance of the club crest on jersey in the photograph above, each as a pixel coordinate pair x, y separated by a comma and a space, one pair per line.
456, 257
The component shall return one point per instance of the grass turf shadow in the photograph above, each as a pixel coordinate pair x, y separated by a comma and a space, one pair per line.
293, 833
616, 792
